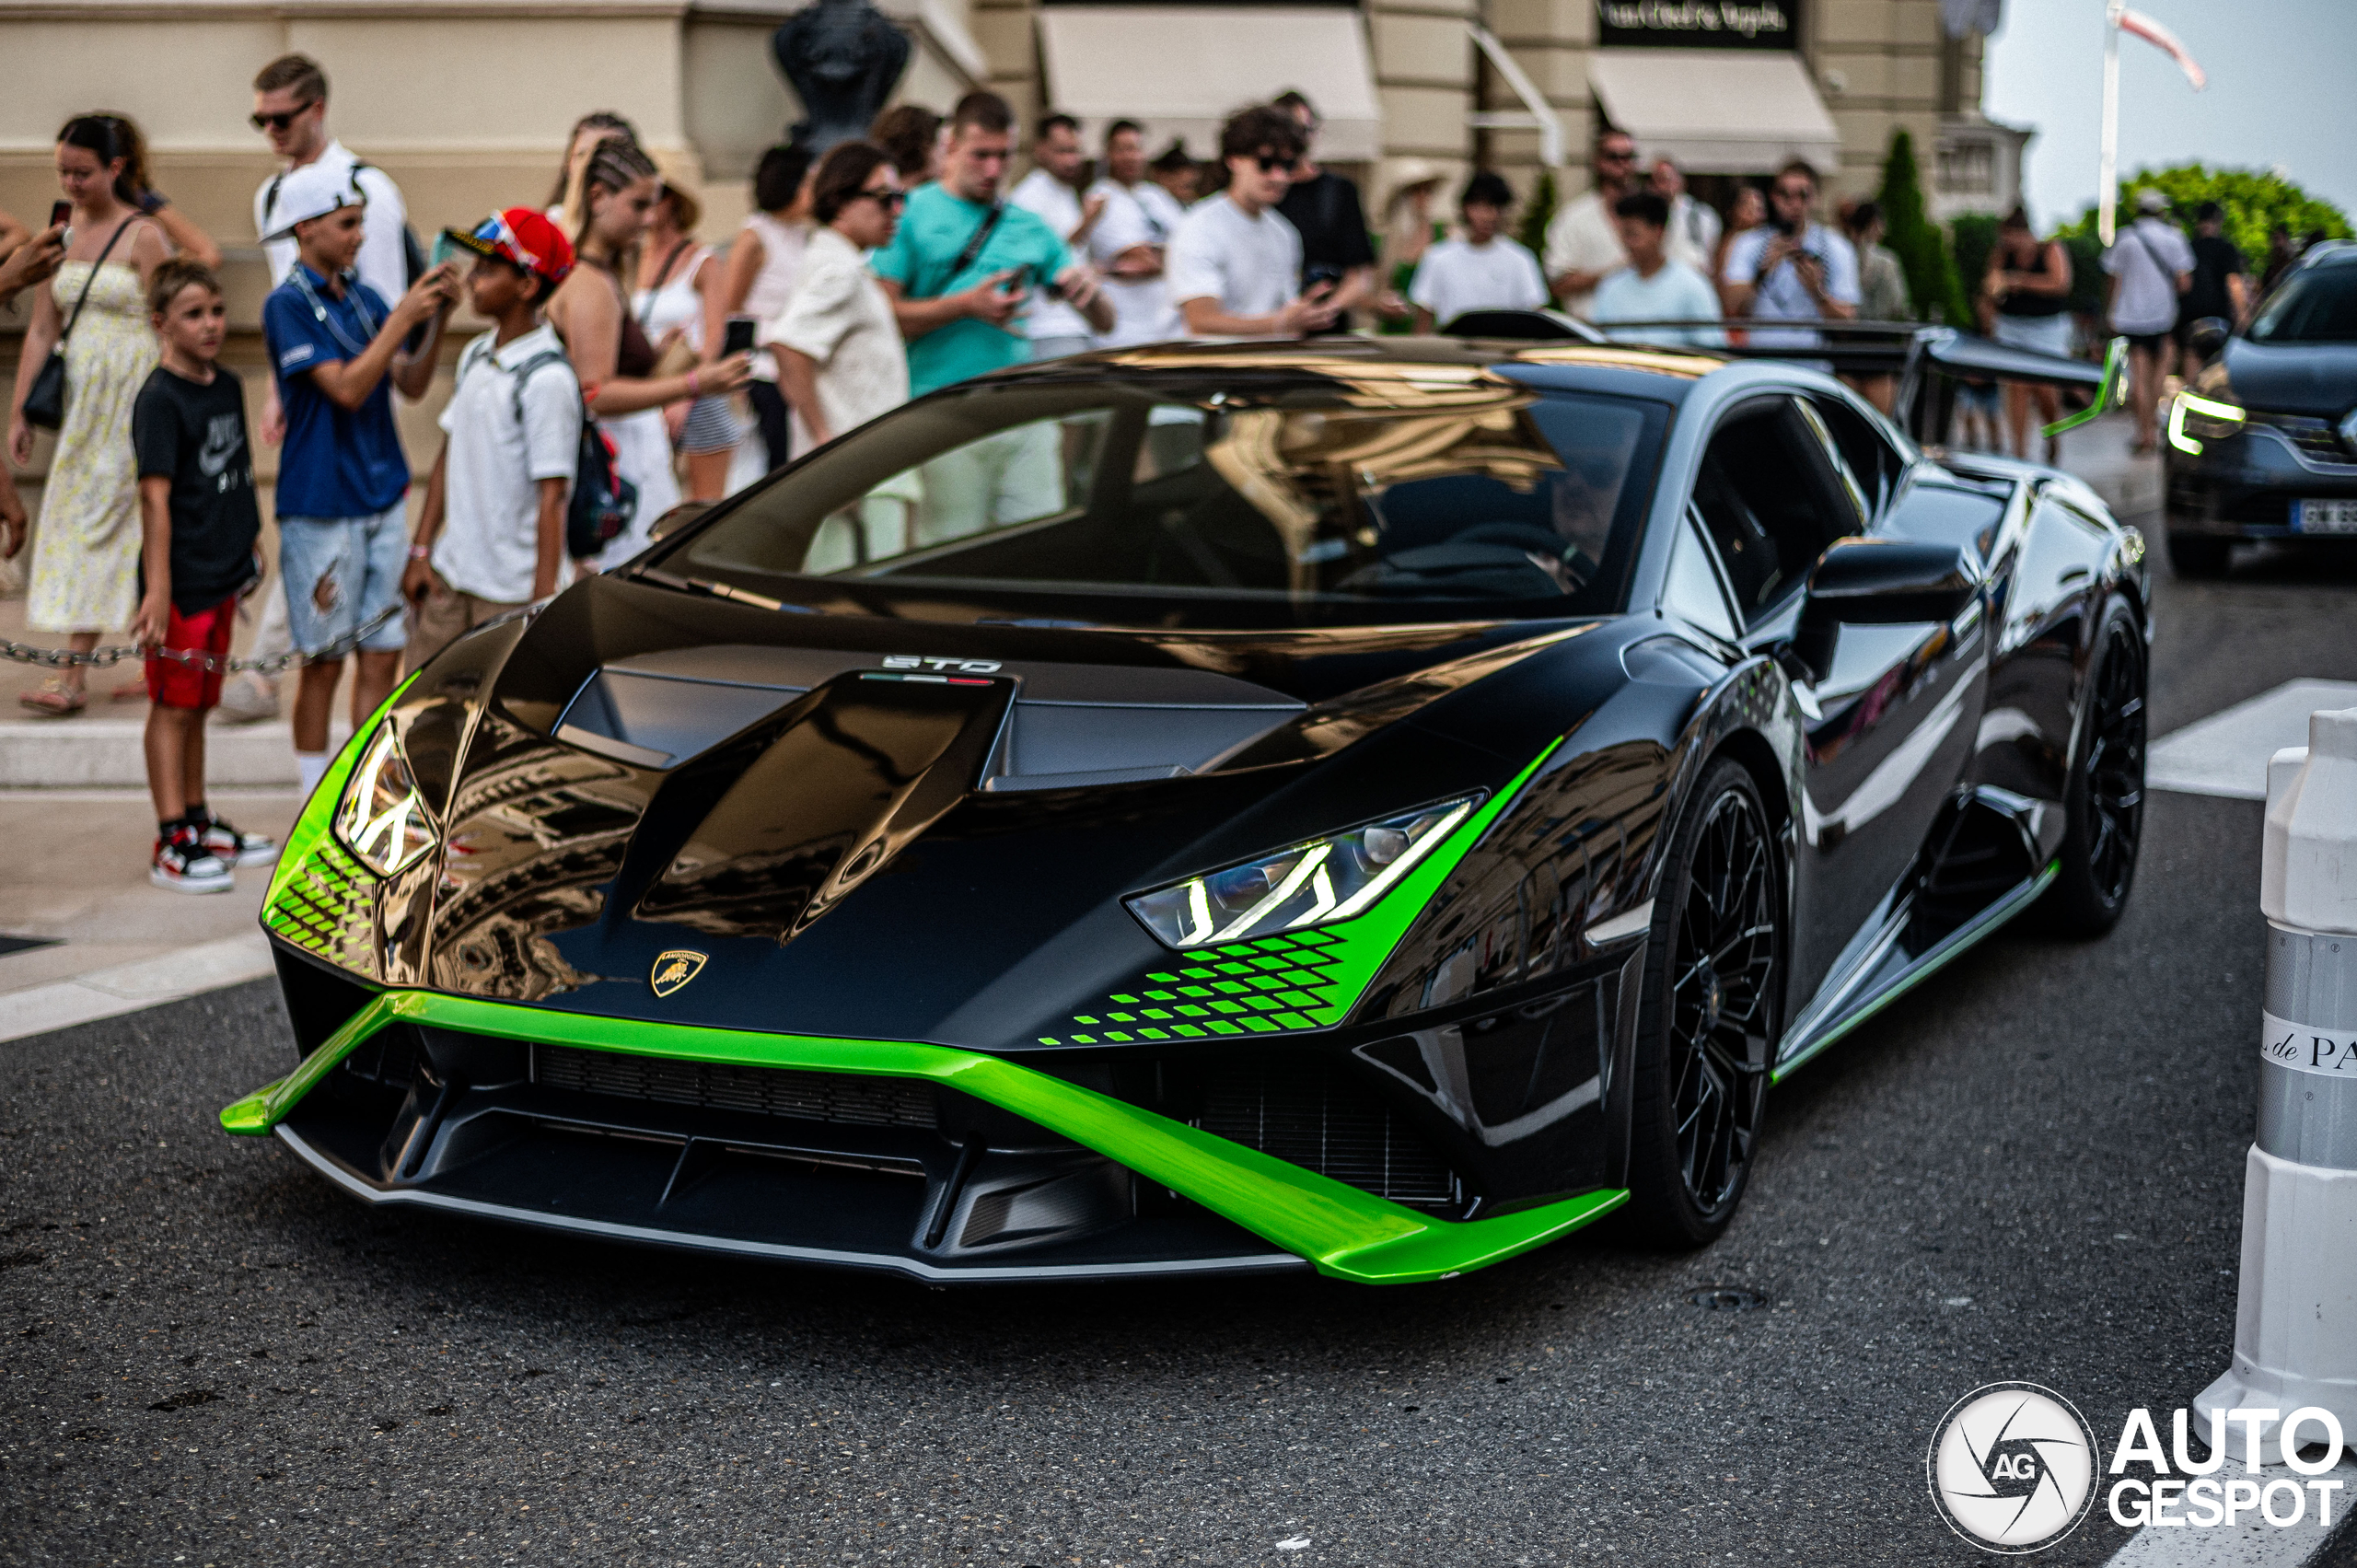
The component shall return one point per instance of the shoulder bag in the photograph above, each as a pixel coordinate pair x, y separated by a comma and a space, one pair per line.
45, 399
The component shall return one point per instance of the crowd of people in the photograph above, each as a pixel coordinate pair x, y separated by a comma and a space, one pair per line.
629, 365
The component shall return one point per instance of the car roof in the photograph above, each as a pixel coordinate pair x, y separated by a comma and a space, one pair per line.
1621, 370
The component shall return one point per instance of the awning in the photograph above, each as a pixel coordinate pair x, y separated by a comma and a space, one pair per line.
1716, 110
1182, 70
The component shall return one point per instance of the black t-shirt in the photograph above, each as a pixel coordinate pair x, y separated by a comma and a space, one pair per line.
195, 434
2215, 259
1334, 228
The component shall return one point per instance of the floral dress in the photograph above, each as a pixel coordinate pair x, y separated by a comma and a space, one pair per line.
85, 549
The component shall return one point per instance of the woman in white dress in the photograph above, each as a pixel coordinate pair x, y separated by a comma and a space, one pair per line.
679, 302
610, 351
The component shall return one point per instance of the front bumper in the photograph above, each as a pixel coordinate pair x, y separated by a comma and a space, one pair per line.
477, 1107
2243, 486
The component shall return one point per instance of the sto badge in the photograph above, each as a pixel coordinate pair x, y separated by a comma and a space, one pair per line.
674, 970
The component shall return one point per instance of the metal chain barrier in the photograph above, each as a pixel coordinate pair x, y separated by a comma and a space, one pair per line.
103, 658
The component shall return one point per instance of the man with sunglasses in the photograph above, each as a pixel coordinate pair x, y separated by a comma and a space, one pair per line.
1583, 239
291, 112
1792, 268
1234, 265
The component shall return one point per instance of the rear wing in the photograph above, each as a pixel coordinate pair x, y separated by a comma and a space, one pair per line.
1929, 362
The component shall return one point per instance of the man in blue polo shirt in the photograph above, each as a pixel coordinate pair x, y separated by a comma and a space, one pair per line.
343, 527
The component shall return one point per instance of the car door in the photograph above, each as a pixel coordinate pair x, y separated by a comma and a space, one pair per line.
1889, 720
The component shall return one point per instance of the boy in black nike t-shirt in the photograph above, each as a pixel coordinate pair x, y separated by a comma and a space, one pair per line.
198, 524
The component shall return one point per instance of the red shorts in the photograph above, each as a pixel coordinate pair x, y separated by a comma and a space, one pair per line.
170, 683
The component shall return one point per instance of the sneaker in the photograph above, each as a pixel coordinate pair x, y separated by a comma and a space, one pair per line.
185, 865
246, 698
227, 844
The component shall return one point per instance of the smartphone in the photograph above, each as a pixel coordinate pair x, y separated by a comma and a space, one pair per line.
60, 213
738, 339
446, 250
1321, 274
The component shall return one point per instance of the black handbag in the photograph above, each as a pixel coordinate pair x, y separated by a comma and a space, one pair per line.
45, 399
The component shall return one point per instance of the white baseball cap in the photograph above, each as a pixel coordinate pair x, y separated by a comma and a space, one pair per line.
312, 191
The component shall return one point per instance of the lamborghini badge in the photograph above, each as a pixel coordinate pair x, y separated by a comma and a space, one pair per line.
674, 970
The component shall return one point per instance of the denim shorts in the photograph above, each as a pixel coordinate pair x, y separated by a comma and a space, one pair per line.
360, 561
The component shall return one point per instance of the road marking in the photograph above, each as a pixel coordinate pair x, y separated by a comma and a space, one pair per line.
2227, 754
2255, 1545
128, 988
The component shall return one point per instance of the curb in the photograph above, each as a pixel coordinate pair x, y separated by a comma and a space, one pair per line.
129, 988
2250, 1546
83, 752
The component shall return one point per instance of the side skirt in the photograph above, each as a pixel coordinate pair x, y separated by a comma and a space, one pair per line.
1885, 972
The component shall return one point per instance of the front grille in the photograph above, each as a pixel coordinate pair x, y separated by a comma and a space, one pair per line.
1305, 1112
2316, 438
841, 1098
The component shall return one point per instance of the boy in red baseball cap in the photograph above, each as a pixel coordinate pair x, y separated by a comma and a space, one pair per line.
491, 538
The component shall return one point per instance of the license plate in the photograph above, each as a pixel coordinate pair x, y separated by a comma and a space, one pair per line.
2324, 517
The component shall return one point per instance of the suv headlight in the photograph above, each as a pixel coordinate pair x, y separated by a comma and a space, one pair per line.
2194, 419
381, 817
1315, 883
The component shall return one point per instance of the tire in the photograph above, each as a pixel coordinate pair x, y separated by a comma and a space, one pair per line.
1708, 1018
2197, 556
2104, 798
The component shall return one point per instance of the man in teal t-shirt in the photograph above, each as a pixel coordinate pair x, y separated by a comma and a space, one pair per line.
957, 302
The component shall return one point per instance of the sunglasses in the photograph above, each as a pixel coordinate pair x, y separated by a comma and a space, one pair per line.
1616, 157
1795, 192
1272, 162
885, 198
280, 122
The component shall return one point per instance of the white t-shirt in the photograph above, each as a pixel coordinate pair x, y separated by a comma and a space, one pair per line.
842, 318
491, 505
1456, 276
1058, 206
1675, 292
1251, 265
1781, 296
1143, 312
383, 262
2146, 260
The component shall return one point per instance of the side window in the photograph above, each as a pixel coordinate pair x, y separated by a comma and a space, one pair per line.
1771, 503
1875, 463
1692, 591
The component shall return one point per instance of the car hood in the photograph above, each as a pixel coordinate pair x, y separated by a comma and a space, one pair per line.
2310, 378
852, 825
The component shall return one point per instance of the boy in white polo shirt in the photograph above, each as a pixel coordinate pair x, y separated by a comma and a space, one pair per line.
491, 538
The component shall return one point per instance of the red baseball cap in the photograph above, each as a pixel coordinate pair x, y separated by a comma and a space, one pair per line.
523, 237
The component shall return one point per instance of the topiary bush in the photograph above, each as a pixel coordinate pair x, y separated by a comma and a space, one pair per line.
1932, 280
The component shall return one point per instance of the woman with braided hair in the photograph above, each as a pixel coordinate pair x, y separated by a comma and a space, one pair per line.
610, 351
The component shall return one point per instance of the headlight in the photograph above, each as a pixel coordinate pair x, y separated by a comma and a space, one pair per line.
2194, 419
1311, 884
381, 817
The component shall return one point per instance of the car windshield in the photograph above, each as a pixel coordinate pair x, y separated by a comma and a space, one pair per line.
1248, 499
2317, 305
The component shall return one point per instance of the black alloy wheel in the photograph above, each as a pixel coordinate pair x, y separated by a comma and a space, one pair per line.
2104, 803
1712, 1010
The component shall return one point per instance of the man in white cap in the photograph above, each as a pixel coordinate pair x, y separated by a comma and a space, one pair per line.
335, 347
291, 112
2150, 265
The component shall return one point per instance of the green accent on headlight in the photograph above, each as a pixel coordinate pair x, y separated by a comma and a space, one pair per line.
1303, 980
1344, 1232
322, 899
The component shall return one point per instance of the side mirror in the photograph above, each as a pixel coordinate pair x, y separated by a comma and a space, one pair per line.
678, 516
1880, 582
2208, 335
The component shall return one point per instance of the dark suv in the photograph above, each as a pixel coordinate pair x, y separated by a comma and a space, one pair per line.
2263, 444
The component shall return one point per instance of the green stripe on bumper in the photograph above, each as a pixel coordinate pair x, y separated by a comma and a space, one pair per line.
1344, 1232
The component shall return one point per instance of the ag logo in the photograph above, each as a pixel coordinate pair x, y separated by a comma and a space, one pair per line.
2012, 1468
674, 970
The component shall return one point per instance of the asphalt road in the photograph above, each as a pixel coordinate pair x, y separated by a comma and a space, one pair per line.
2031, 1170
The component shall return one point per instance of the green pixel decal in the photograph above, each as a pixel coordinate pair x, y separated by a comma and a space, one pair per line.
327, 905
1297, 980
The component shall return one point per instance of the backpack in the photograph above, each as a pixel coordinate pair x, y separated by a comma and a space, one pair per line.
603, 502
